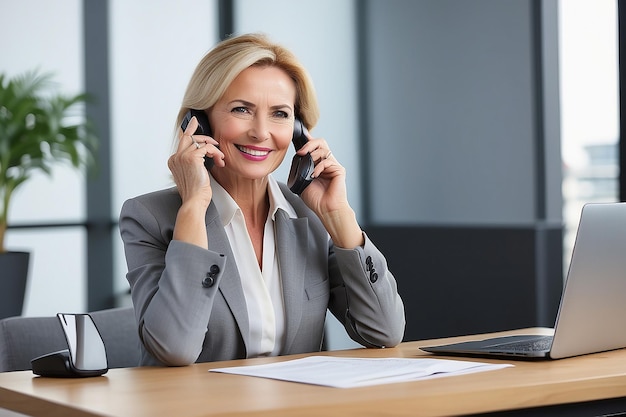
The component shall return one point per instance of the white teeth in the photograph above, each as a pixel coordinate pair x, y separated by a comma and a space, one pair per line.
252, 152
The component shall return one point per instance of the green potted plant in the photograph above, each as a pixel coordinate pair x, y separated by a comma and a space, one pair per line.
39, 128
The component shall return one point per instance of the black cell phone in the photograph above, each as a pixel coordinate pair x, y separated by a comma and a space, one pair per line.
301, 166
204, 128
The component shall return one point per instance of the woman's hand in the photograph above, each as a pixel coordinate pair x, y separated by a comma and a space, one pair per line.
187, 164
327, 195
193, 183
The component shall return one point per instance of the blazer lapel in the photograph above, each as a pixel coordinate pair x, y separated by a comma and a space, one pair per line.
291, 245
230, 286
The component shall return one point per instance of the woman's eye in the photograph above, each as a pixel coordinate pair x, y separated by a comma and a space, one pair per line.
281, 114
240, 110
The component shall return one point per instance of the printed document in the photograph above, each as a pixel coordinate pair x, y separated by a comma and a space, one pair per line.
359, 372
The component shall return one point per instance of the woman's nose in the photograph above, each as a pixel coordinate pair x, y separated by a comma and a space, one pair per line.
260, 129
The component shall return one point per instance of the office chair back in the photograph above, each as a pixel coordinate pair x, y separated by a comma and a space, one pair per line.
25, 338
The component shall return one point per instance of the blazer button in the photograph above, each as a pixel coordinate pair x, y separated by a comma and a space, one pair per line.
208, 281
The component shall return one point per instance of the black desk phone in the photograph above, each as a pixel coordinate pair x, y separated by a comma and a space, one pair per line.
301, 166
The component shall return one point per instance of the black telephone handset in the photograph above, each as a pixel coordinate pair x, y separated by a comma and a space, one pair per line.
301, 166
204, 128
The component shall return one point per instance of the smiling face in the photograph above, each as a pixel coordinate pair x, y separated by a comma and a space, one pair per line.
253, 123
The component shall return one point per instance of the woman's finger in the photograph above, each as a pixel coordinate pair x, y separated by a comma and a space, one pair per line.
186, 139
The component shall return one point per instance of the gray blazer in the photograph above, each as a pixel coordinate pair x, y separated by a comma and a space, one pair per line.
189, 302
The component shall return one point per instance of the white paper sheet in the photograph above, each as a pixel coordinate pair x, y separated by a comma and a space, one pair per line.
359, 372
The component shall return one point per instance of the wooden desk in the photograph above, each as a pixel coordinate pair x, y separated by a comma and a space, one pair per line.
590, 380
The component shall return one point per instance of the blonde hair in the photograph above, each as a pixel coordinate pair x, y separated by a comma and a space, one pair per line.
221, 65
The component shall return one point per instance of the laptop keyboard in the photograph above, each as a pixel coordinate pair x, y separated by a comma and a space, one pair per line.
533, 345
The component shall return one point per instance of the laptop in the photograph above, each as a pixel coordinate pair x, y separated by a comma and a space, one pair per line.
593, 303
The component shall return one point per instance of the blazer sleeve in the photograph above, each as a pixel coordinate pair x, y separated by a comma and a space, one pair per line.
171, 298
364, 296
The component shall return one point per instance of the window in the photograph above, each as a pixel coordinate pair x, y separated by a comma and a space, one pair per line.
589, 107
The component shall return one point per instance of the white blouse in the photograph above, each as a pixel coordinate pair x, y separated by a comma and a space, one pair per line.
262, 288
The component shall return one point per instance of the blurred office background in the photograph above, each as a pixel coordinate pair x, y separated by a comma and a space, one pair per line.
472, 132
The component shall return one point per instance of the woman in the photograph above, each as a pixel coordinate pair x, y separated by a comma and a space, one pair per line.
229, 263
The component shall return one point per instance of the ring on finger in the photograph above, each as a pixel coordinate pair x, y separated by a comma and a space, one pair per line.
195, 142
